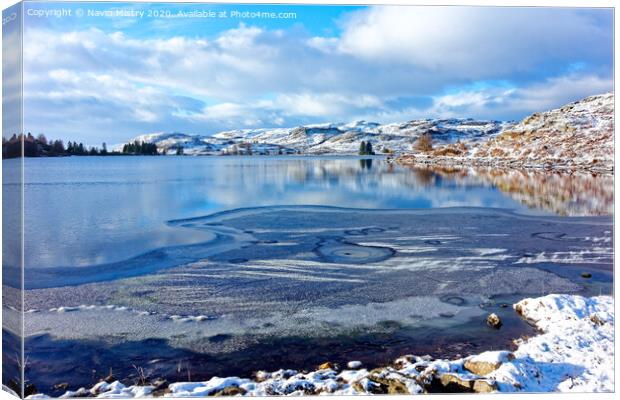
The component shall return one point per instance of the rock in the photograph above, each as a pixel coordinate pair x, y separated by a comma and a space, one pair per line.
368, 386
481, 365
455, 384
357, 386
83, 392
61, 386
389, 384
402, 361
160, 387
586, 275
519, 308
159, 383
262, 376
354, 364
230, 391
596, 320
327, 365
30, 389
494, 321
484, 386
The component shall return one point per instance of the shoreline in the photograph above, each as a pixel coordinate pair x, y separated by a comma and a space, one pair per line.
568, 166
573, 352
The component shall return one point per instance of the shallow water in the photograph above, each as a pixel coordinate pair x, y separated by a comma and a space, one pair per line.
229, 265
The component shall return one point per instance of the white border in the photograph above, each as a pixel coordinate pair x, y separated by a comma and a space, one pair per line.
504, 3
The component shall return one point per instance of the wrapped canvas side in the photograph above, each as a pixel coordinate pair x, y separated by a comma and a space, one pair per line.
12, 203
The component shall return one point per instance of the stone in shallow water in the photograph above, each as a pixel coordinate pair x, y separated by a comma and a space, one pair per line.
494, 321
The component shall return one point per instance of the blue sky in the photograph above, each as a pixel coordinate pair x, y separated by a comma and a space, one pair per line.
96, 79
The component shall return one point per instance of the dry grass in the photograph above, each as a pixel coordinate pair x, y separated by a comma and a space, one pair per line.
424, 143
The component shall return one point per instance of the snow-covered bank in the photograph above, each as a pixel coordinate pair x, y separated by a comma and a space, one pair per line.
573, 352
577, 136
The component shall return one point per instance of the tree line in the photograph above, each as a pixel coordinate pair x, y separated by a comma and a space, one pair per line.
140, 148
40, 146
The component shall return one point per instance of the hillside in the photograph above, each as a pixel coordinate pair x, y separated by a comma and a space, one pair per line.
326, 138
579, 135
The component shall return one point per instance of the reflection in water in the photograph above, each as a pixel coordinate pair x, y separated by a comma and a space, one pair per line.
366, 163
562, 193
93, 210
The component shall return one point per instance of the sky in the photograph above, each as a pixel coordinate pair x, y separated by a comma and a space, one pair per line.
92, 77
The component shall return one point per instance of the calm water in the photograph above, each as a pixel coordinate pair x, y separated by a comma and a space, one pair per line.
96, 210
293, 286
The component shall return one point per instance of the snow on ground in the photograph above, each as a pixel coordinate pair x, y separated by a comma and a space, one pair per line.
579, 135
574, 352
330, 138
579, 132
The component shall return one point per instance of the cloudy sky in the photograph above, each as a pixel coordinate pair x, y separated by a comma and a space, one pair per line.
98, 78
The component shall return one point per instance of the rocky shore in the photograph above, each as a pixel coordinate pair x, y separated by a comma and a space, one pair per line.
568, 165
574, 351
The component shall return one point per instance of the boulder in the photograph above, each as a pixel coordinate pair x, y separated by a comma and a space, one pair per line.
452, 383
327, 365
494, 321
389, 384
487, 362
230, 391
484, 386
455, 384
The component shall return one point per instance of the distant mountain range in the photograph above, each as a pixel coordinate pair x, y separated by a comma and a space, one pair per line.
577, 135
341, 138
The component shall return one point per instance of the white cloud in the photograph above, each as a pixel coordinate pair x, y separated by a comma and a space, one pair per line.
505, 103
111, 83
475, 42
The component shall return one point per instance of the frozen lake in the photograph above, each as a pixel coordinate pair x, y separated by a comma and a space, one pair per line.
234, 264
85, 211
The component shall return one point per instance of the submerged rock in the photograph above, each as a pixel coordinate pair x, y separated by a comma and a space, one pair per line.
61, 386
494, 321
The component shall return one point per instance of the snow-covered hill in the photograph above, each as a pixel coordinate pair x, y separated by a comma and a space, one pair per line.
579, 135
581, 132
326, 138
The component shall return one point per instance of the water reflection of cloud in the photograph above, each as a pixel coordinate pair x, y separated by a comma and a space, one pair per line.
91, 209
